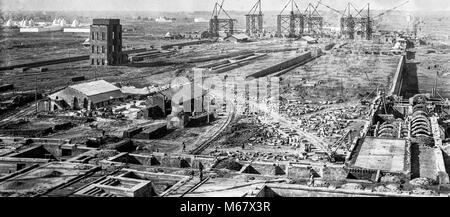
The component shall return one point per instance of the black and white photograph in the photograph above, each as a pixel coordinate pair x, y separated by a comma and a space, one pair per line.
249, 99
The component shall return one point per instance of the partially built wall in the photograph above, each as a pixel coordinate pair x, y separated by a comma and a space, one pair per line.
303, 58
398, 77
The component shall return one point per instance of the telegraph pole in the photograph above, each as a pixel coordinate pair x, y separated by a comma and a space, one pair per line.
207, 113
35, 93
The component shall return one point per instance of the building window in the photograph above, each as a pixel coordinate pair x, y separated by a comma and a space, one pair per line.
93, 36
97, 35
66, 152
98, 62
92, 48
92, 62
103, 49
113, 35
103, 62
103, 36
97, 49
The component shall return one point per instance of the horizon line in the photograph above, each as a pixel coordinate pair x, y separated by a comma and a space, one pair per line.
43, 10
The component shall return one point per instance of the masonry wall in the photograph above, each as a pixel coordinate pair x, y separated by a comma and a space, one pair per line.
106, 44
33, 152
297, 172
398, 77
269, 169
6, 168
281, 66
334, 173
73, 98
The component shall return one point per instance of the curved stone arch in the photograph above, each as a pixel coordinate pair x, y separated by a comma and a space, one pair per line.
421, 128
387, 126
75, 103
420, 119
86, 103
420, 131
420, 124
424, 119
419, 113
421, 135
386, 135
386, 130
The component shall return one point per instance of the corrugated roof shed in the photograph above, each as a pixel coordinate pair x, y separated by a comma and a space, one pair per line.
95, 87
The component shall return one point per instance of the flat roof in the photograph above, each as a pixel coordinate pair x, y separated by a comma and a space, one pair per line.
382, 154
105, 21
95, 87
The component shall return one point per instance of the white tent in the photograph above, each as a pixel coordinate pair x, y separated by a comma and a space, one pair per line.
23, 23
63, 22
75, 23
9, 23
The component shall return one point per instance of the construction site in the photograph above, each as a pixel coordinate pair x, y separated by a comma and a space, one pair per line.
304, 100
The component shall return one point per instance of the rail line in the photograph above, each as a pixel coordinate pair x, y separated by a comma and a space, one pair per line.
199, 149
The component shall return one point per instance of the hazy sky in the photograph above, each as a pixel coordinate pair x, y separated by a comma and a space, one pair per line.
205, 5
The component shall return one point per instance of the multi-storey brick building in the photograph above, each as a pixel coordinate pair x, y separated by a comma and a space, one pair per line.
106, 42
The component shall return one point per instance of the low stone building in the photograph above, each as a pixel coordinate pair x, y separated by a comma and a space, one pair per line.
87, 96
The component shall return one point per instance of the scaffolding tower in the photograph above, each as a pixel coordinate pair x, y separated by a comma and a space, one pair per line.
291, 25
356, 22
254, 20
314, 22
217, 24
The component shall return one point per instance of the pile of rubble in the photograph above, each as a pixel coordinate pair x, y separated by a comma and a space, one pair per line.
331, 123
296, 109
257, 156
421, 182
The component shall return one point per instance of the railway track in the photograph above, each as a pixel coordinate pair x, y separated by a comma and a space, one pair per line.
27, 111
199, 149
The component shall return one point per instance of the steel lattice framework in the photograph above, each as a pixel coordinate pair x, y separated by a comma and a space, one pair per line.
356, 22
254, 20
314, 22
217, 24
292, 24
